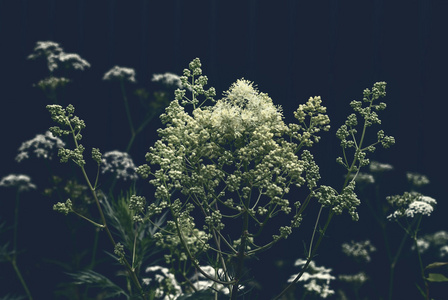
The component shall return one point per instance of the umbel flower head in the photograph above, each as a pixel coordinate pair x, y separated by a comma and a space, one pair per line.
120, 74
411, 204
20, 181
42, 146
316, 279
118, 163
168, 79
57, 58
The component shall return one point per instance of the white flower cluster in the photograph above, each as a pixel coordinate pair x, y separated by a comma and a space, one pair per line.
317, 279
120, 74
167, 287
357, 279
200, 282
377, 167
120, 164
42, 145
360, 251
437, 240
168, 79
411, 204
20, 181
57, 58
417, 179
363, 178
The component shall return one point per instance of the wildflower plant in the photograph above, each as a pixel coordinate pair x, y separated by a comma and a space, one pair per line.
237, 159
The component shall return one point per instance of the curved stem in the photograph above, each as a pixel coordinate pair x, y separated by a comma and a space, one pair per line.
310, 257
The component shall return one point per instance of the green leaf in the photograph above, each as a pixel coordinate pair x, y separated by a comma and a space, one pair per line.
436, 265
435, 277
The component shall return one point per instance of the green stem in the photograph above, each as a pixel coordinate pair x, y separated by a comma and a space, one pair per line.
241, 252
394, 262
14, 254
19, 274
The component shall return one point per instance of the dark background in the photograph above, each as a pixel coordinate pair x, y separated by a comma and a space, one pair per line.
291, 49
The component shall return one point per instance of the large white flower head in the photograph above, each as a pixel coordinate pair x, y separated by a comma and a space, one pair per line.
410, 205
20, 181
120, 74
120, 164
42, 146
244, 109
317, 279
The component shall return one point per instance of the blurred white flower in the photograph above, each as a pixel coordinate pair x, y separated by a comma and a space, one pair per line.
364, 178
360, 251
20, 181
437, 240
443, 251
417, 179
167, 286
42, 145
168, 79
376, 167
422, 245
120, 164
317, 278
356, 279
120, 73
44, 49
56, 58
69, 61
202, 283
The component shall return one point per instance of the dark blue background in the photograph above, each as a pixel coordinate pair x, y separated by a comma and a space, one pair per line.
291, 49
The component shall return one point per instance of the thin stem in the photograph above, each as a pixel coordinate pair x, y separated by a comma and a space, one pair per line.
394, 262
22, 281
315, 227
14, 254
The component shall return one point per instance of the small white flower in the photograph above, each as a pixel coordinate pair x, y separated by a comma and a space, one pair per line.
317, 278
42, 146
120, 164
376, 167
443, 251
167, 285
44, 49
422, 245
168, 79
358, 250
68, 61
56, 58
202, 283
20, 181
120, 73
417, 179
357, 279
364, 178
